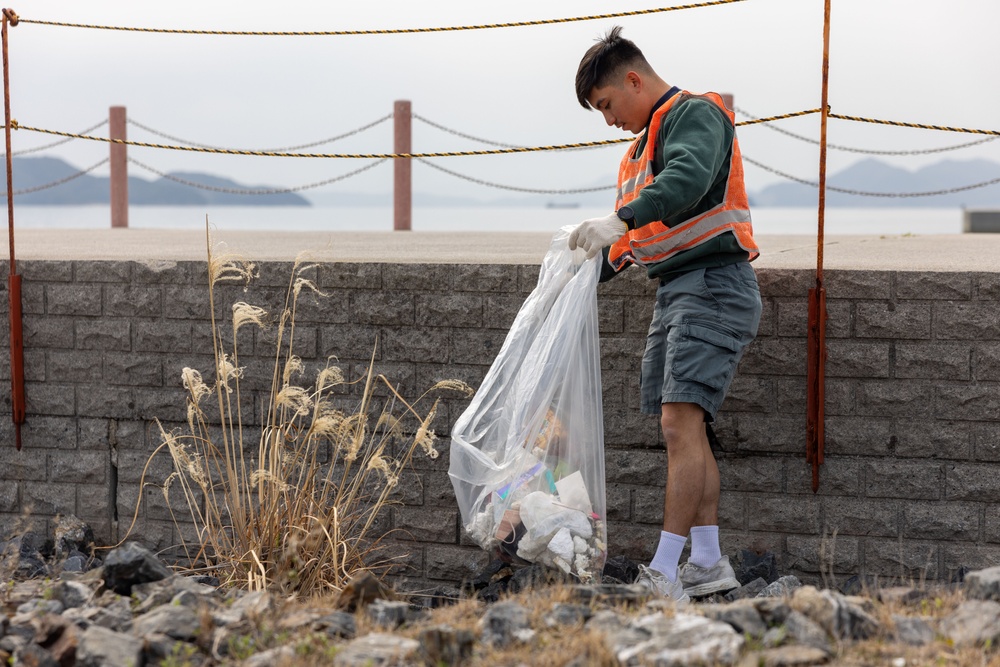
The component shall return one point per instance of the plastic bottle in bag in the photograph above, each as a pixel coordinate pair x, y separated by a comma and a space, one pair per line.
527, 455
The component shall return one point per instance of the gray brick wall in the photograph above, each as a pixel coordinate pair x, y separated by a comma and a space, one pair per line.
909, 488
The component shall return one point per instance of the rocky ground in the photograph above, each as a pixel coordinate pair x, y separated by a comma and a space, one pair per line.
131, 610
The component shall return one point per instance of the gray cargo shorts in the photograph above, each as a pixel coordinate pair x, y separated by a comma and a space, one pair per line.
702, 323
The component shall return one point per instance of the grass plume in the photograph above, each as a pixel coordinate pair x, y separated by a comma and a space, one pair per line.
297, 509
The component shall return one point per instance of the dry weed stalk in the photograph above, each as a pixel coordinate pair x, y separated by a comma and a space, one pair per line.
301, 515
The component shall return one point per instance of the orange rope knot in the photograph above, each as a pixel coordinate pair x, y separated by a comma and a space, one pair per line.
11, 16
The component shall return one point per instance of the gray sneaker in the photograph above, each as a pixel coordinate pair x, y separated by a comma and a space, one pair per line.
701, 581
657, 583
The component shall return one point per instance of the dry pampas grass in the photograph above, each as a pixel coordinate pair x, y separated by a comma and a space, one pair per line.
297, 509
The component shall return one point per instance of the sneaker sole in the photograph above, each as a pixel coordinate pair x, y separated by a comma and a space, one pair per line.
720, 586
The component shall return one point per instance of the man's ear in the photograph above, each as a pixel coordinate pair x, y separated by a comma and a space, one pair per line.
633, 81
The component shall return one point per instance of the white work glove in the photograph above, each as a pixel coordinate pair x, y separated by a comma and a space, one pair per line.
596, 233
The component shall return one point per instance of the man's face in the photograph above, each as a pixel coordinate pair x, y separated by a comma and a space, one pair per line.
620, 104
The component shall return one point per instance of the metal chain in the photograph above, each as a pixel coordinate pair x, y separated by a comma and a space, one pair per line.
462, 134
56, 143
53, 184
457, 133
363, 156
263, 150
513, 187
866, 151
391, 31
249, 191
919, 126
497, 151
864, 193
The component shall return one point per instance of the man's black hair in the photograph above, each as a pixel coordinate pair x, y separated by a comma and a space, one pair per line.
610, 58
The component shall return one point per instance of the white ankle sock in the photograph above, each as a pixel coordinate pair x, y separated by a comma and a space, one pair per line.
668, 554
705, 551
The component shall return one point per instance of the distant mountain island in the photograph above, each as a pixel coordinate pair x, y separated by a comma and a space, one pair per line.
868, 175
34, 171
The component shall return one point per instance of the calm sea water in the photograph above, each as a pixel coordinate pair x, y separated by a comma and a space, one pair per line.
876, 221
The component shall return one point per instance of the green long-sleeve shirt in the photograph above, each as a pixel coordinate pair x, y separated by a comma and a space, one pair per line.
690, 167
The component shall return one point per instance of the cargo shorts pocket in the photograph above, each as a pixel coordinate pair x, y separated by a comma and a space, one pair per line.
703, 355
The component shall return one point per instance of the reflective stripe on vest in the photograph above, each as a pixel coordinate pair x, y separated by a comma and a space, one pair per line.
655, 242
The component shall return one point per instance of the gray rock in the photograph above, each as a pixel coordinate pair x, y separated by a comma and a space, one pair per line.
787, 656
568, 614
841, 617
336, 624
610, 593
748, 590
39, 606
901, 595
774, 611
780, 588
974, 623
807, 632
503, 622
443, 645
742, 616
913, 630
11, 643
73, 594
176, 621
33, 655
775, 636
72, 534
606, 621
100, 647
113, 613
388, 613
751, 565
683, 640
257, 603
983, 584
132, 564
283, 655
158, 647
377, 649
74, 564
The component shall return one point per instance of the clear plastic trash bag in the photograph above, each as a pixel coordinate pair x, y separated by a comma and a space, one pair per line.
527, 455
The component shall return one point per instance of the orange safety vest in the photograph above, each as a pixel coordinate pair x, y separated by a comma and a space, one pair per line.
655, 242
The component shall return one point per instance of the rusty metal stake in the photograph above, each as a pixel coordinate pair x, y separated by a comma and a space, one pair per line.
816, 342
13, 280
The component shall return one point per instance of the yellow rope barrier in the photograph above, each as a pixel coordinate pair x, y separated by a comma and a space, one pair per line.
233, 151
390, 31
918, 126
781, 117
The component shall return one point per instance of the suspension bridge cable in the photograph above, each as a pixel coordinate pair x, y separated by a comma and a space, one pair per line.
865, 193
514, 188
388, 31
53, 184
866, 151
36, 149
254, 191
285, 149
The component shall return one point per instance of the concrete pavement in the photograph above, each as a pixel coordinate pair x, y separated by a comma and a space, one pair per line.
938, 252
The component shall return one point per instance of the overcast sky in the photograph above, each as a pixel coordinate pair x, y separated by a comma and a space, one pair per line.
920, 62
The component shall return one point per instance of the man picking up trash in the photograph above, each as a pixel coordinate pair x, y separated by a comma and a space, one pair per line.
682, 214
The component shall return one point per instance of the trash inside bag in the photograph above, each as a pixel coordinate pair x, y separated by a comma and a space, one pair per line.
527, 455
